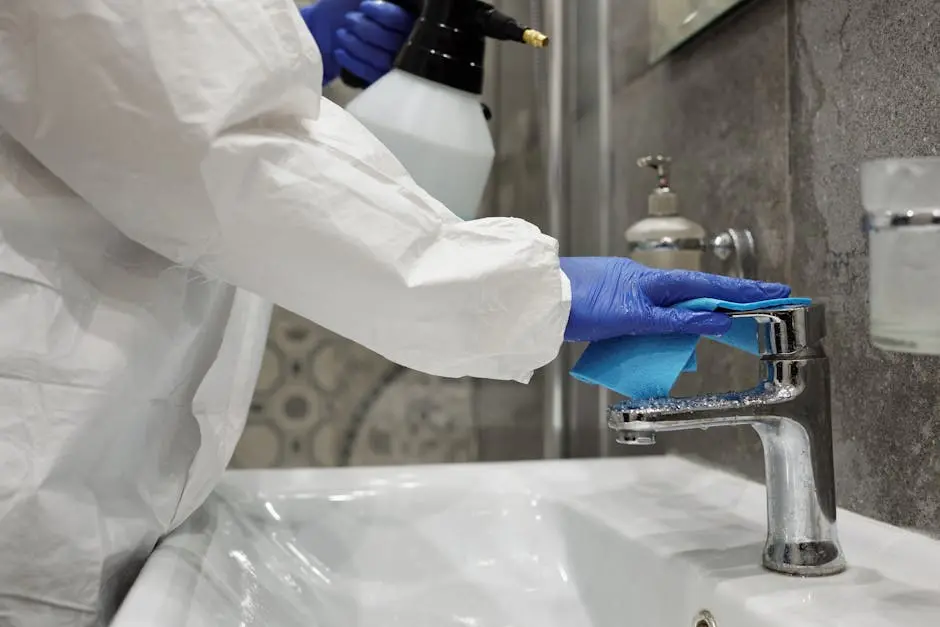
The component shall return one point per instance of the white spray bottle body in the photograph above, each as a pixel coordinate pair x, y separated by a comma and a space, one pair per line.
437, 132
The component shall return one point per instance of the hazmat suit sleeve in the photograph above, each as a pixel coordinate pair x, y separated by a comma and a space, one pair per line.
197, 128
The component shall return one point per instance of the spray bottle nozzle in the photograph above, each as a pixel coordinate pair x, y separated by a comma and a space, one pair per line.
534, 38
498, 25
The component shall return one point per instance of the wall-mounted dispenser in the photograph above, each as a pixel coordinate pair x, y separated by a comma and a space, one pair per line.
664, 239
902, 203
427, 110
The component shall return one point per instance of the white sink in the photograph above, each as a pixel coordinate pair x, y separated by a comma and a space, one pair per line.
645, 542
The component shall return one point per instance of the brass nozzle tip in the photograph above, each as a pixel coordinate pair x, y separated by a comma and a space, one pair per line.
534, 38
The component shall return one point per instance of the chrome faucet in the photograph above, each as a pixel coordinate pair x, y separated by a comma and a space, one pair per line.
790, 411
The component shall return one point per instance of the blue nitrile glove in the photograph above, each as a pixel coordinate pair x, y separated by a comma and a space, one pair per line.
363, 37
614, 296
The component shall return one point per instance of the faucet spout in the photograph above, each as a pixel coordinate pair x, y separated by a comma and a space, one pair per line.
698, 412
790, 411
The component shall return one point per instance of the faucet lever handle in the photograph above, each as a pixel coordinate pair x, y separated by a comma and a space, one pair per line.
787, 330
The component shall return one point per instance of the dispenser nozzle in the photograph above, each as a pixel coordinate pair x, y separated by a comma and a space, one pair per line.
661, 165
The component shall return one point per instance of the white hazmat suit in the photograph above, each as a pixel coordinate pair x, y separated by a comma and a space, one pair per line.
168, 169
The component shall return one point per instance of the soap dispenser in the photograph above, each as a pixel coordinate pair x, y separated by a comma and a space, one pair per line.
665, 239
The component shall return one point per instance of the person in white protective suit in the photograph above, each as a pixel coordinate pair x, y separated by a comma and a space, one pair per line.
168, 169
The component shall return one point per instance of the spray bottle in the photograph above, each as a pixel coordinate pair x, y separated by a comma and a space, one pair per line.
427, 110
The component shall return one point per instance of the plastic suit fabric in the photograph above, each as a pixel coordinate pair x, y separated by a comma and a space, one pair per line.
168, 169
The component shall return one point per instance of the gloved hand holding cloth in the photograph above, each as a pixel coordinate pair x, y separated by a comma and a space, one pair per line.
613, 296
644, 324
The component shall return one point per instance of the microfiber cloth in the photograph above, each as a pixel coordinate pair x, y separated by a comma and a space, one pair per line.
642, 367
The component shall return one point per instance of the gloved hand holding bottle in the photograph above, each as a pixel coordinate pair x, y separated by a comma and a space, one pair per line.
613, 296
363, 37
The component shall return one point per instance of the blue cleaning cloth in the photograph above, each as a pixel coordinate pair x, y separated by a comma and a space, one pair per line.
642, 367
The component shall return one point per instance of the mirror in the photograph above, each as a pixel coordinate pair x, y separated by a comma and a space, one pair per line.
673, 21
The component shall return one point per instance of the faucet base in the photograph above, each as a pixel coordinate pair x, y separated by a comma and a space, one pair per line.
804, 559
